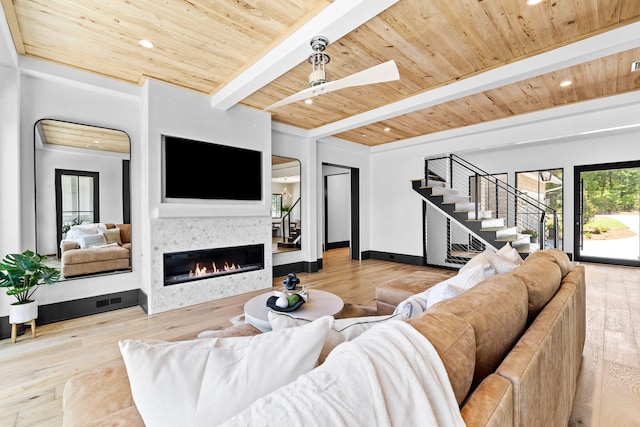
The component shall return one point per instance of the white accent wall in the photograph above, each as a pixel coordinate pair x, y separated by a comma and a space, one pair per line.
592, 132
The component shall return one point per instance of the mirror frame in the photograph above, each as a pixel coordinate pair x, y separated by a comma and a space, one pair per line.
102, 133
291, 159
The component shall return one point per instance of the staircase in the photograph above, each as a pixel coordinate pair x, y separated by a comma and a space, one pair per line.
491, 211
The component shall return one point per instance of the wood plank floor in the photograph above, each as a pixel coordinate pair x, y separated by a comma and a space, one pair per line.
33, 372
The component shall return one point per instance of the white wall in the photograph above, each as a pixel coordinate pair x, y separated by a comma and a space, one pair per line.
107, 165
289, 142
343, 153
591, 132
180, 226
10, 218
26, 98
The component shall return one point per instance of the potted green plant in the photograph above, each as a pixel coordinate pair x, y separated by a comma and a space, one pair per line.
532, 233
21, 274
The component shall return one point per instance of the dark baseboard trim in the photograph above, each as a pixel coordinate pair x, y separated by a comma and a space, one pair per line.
143, 301
296, 267
337, 245
66, 310
388, 256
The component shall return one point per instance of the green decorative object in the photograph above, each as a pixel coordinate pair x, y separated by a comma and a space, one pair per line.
22, 273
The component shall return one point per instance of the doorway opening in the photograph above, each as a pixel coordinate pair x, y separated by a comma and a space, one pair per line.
341, 208
607, 206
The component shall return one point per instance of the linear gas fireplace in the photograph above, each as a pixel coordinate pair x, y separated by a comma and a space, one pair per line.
180, 267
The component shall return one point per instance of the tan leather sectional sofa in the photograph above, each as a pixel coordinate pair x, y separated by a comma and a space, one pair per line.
77, 262
512, 347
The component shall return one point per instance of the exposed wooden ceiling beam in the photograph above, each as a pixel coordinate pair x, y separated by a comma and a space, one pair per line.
608, 43
333, 22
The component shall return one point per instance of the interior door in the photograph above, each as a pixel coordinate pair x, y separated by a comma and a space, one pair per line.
607, 206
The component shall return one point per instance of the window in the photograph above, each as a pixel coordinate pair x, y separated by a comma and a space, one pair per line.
545, 187
276, 205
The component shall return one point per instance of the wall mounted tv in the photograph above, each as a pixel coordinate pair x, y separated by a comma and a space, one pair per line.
203, 170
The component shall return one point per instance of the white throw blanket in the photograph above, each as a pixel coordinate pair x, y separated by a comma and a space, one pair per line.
389, 376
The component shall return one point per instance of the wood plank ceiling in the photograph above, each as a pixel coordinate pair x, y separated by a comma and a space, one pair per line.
203, 45
67, 134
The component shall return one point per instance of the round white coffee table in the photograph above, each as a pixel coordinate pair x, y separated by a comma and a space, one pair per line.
320, 303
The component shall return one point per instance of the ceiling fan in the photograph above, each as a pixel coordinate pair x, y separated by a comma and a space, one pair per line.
385, 72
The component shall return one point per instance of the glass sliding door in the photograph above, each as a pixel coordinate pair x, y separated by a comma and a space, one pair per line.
607, 224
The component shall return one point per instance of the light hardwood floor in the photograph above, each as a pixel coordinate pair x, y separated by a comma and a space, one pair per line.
33, 372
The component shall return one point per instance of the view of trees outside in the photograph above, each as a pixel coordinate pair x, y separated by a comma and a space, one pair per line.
608, 195
610, 202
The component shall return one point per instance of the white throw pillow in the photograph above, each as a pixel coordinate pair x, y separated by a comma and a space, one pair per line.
80, 230
90, 241
500, 264
456, 285
203, 382
413, 305
482, 260
343, 329
510, 254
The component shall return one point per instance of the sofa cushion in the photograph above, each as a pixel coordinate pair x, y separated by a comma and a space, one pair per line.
454, 340
206, 381
542, 277
111, 235
497, 310
82, 256
396, 290
96, 394
343, 329
125, 232
555, 255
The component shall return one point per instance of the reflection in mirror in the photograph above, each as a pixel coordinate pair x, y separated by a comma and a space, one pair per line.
82, 195
286, 204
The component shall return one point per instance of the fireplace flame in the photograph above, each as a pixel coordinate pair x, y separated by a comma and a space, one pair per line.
203, 271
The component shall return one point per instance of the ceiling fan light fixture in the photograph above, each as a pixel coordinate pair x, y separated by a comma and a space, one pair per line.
318, 59
145, 43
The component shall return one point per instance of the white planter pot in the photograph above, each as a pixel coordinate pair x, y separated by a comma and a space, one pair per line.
22, 313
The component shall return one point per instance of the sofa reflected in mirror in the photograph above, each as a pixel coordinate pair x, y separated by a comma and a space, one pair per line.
82, 198
95, 248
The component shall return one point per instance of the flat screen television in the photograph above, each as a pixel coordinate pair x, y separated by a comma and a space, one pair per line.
208, 171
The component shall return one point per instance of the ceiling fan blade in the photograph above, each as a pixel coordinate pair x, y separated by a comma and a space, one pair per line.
385, 72
381, 73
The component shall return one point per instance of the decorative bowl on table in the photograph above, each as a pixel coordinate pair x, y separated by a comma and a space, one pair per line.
271, 303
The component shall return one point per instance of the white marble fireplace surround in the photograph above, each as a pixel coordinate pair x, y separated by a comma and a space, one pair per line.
185, 234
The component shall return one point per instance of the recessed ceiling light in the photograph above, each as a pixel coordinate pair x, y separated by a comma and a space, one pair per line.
387, 129
532, 2
566, 83
96, 142
308, 101
145, 43
364, 135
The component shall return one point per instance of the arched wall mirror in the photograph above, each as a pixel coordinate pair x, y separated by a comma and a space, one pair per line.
286, 204
82, 198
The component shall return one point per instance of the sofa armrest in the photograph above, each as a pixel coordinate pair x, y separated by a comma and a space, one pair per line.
490, 405
97, 394
66, 245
